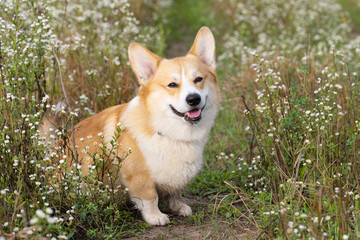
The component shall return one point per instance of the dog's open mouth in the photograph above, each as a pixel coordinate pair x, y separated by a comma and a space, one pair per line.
192, 116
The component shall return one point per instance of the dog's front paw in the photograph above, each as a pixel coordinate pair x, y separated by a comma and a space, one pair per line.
156, 218
180, 208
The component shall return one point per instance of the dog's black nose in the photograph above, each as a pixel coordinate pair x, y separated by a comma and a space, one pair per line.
193, 99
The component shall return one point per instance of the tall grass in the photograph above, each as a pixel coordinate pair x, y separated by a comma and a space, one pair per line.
95, 36
285, 142
41, 196
306, 138
293, 67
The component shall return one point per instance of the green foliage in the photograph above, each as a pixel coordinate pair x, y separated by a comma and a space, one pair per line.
282, 155
305, 124
187, 18
297, 84
43, 190
288, 28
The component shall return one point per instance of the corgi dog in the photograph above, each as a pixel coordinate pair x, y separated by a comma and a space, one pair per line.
166, 125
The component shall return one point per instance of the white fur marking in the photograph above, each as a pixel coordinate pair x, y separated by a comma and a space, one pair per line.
179, 207
150, 211
175, 77
172, 163
183, 77
194, 73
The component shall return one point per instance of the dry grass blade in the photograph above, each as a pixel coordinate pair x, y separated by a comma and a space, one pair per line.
68, 104
24, 234
245, 199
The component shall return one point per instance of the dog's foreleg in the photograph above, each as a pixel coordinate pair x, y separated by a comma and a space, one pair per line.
178, 206
143, 194
150, 211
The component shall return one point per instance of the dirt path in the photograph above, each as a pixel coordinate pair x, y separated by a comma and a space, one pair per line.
204, 224
210, 229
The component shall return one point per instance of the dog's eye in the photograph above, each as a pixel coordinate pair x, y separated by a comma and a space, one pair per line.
173, 85
198, 79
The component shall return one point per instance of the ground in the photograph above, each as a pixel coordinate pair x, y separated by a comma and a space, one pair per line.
210, 226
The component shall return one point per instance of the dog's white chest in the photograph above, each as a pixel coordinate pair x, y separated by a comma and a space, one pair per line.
172, 163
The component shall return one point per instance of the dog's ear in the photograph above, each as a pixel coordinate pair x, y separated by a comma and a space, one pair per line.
143, 62
204, 47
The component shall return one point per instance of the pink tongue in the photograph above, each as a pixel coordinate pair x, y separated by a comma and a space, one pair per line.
194, 113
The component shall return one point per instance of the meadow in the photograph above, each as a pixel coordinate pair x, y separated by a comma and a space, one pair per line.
282, 160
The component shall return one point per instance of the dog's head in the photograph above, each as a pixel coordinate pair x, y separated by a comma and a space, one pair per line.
181, 94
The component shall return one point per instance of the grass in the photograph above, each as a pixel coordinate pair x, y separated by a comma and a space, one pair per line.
352, 7
282, 159
187, 15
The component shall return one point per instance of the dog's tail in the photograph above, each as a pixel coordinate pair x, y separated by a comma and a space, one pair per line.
53, 122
